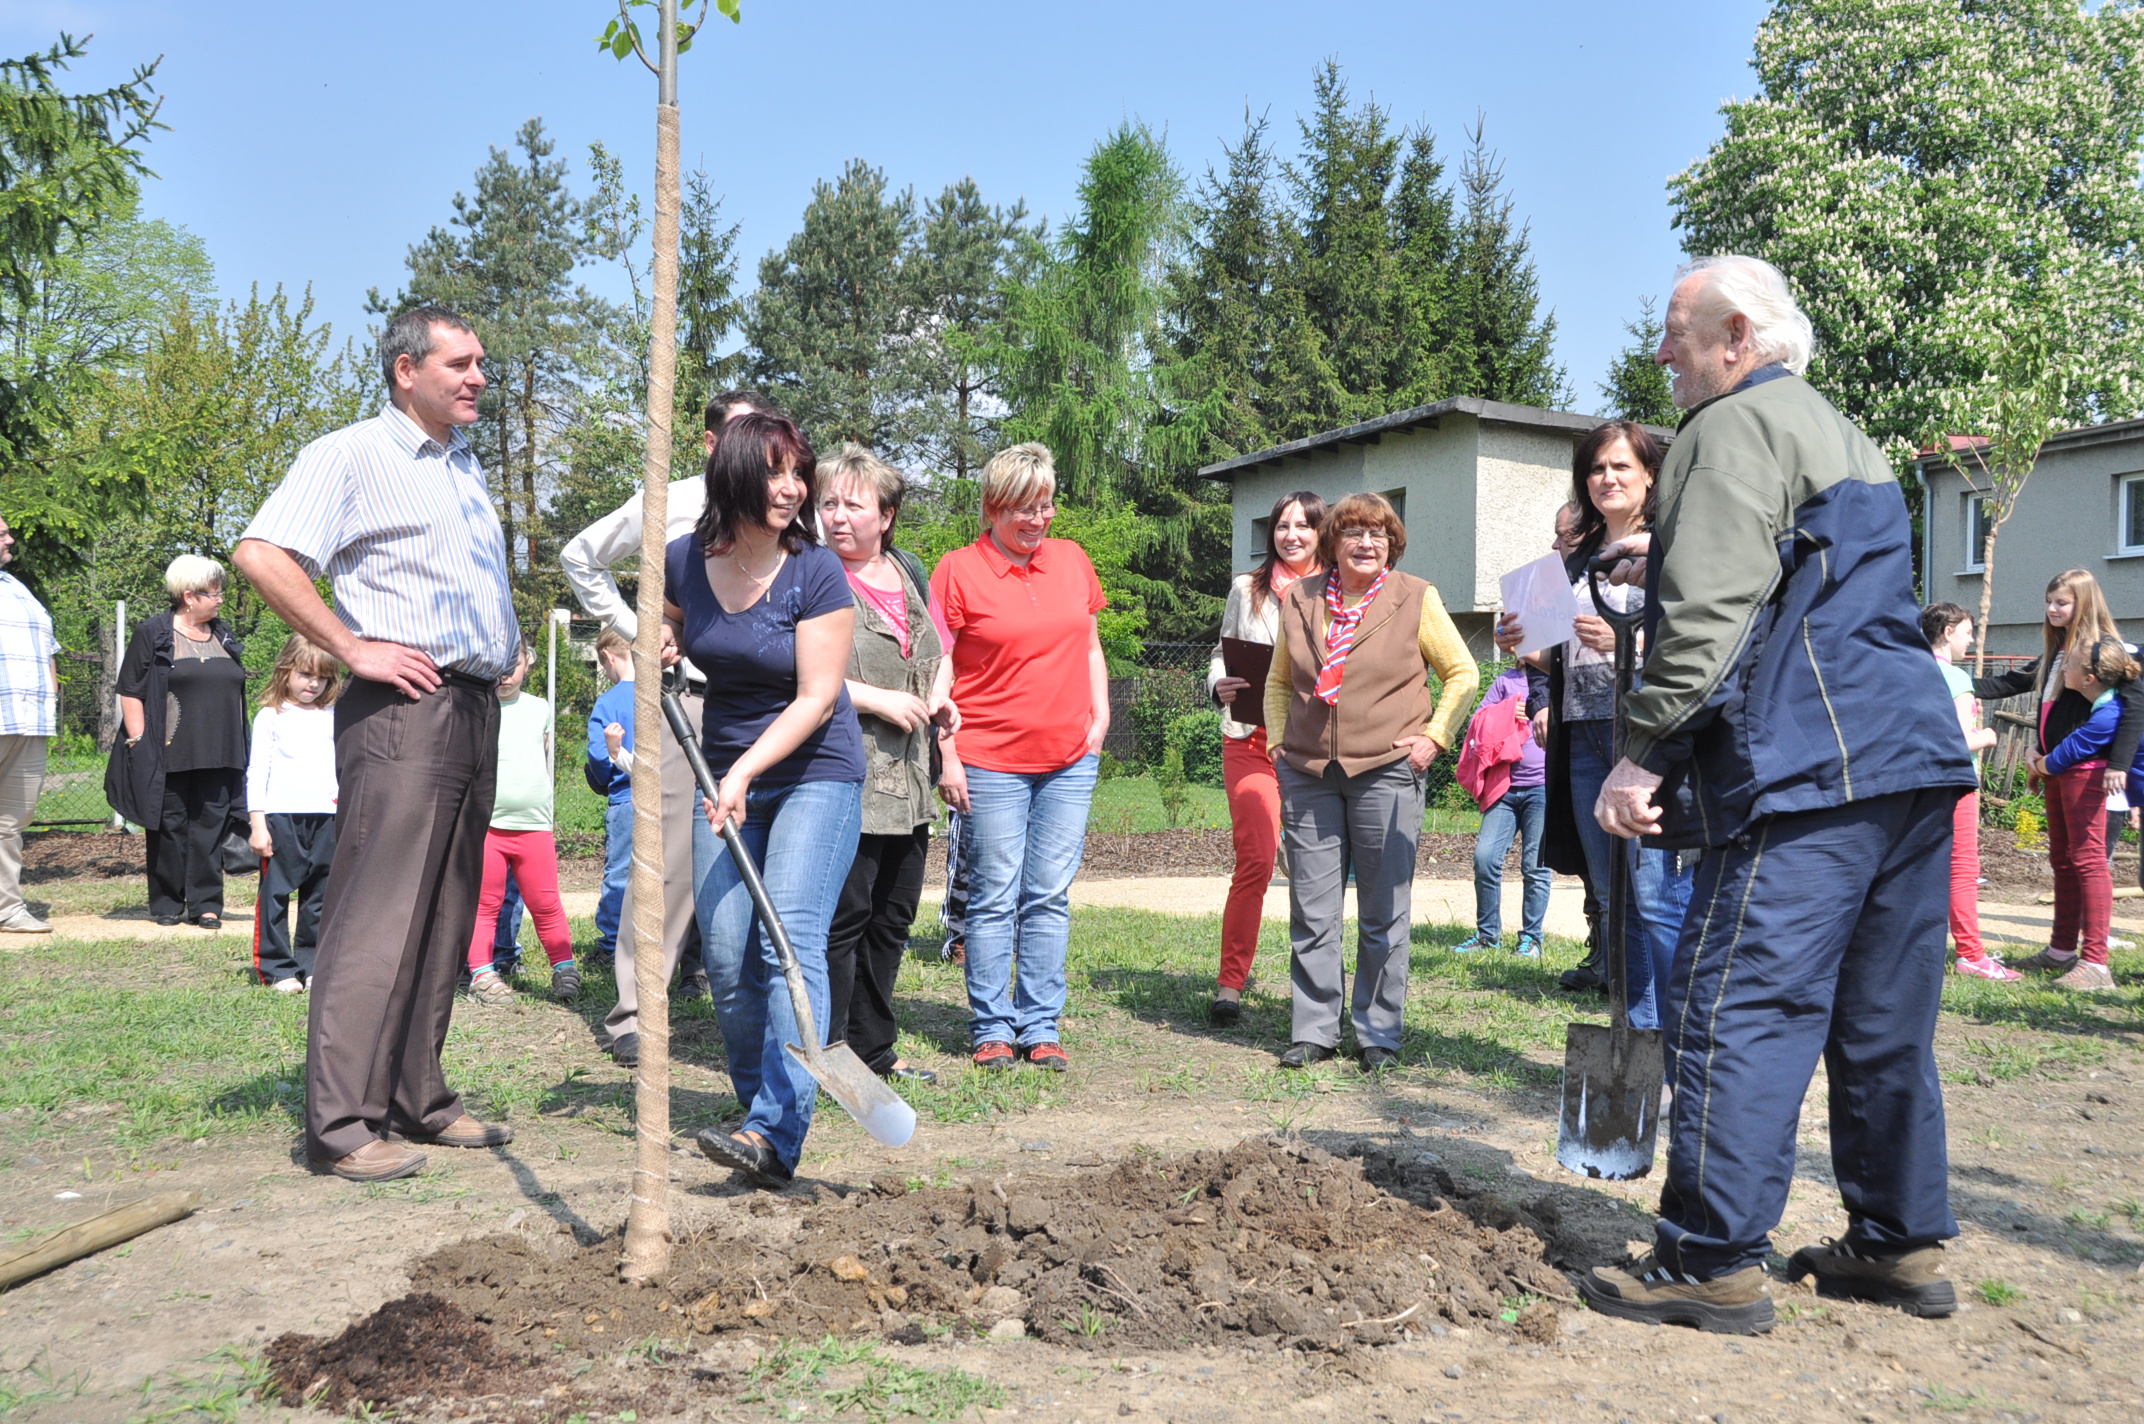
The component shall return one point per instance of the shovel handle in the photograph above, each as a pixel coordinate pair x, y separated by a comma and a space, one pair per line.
800, 1000
1625, 623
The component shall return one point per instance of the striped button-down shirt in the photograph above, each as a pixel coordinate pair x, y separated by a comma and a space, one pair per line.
404, 529
29, 703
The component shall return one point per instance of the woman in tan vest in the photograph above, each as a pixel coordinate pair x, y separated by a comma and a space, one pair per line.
1351, 720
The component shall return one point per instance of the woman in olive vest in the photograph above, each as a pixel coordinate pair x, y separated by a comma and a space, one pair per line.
1353, 730
898, 676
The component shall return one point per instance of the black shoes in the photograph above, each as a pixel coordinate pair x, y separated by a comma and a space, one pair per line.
1224, 1013
625, 1050
1375, 1059
759, 1164
1302, 1055
1585, 979
694, 986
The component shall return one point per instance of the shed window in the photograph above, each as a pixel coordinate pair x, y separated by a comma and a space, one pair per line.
2130, 514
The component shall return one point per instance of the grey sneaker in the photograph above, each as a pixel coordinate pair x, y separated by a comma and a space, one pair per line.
566, 983
492, 991
22, 922
1529, 946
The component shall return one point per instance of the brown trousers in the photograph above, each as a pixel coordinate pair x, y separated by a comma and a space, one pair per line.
681, 802
415, 797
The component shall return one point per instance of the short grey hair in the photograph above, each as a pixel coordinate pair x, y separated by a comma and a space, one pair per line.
1779, 330
410, 334
190, 573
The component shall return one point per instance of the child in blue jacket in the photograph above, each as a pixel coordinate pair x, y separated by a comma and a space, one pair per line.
610, 772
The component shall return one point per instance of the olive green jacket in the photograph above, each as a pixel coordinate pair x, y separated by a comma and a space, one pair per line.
897, 764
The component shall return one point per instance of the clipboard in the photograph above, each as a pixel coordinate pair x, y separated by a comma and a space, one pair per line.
1249, 661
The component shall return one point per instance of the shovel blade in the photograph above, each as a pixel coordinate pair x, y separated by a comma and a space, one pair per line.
1611, 1101
863, 1095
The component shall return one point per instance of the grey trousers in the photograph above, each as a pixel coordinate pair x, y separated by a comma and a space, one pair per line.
416, 781
1372, 822
22, 776
681, 802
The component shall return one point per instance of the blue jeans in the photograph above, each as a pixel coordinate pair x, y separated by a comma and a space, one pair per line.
1521, 812
802, 838
617, 869
1659, 884
1026, 833
506, 934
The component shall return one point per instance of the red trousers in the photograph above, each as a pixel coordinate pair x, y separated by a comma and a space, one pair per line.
1254, 815
533, 858
2077, 847
1965, 877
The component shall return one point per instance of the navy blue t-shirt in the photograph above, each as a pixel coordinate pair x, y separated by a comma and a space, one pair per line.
750, 659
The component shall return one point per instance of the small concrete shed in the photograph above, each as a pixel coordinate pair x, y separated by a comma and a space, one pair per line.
1476, 482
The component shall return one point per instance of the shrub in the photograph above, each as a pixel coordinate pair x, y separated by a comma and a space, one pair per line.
1196, 737
1162, 696
1108, 768
1170, 785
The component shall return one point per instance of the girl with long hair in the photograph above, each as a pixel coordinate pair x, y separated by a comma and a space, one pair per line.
290, 800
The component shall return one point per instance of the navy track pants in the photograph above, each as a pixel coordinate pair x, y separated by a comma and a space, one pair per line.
1818, 932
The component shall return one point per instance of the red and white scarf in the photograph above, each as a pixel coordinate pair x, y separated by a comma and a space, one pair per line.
1340, 635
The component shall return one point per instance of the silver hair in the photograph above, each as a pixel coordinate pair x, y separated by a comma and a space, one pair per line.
410, 334
1779, 330
190, 573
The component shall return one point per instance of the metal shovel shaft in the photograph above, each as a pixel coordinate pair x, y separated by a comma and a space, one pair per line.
848, 1080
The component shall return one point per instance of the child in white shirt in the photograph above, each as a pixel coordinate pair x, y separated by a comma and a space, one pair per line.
290, 796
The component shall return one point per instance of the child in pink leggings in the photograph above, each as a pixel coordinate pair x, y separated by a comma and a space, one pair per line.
521, 840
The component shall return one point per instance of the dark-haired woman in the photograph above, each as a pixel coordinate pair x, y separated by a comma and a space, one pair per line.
1613, 473
766, 613
1253, 616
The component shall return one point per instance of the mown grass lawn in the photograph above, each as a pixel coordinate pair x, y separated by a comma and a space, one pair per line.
143, 1043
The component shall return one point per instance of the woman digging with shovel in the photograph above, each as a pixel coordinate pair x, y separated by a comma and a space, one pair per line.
760, 607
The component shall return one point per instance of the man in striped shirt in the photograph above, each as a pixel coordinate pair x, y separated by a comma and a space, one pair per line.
394, 512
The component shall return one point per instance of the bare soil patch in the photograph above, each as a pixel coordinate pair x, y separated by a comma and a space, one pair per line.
65, 855
409, 1350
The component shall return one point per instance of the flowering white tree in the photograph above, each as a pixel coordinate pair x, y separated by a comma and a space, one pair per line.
1934, 176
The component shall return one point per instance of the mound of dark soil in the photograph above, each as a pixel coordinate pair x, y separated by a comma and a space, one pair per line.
414, 1348
1267, 1242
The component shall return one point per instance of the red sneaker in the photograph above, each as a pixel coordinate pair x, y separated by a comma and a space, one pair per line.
995, 1056
1048, 1056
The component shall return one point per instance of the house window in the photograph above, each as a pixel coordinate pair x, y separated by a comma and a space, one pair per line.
2130, 513
1976, 532
1398, 498
1261, 538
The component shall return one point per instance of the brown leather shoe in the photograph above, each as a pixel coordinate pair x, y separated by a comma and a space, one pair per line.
378, 1161
465, 1131
1648, 1292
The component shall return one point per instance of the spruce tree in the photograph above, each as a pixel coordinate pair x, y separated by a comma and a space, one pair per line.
830, 323
1423, 237
1501, 347
1637, 387
708, 305
956, 274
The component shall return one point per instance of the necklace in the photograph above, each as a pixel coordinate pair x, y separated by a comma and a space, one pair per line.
738, 559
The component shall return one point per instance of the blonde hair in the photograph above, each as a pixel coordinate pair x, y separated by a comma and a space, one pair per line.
190, 573
1017, 475
301, 657
611, 641
2090, 622
853, 464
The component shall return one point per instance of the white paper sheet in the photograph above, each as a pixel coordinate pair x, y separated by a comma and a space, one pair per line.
1540, 595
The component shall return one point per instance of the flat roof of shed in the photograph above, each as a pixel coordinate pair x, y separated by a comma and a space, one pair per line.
1369, 432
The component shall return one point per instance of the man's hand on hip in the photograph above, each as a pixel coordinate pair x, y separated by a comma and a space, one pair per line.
1625, 807
402, 667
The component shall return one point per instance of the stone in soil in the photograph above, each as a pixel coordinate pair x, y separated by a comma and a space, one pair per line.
1268, 1243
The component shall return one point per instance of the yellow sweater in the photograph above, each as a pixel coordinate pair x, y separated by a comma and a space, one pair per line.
1442, 648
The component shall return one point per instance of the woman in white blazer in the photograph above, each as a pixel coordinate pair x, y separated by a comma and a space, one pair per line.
1253, 615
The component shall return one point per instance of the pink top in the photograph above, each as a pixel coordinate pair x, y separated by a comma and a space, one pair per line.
892, 603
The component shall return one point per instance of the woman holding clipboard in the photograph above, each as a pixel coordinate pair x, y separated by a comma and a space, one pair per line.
1252, 621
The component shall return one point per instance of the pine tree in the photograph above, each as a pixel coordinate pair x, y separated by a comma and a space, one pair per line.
956, 272
829, 326
1637, 386
1423, 238
1500, 347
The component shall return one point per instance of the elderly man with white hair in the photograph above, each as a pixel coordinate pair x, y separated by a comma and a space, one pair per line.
1793, 730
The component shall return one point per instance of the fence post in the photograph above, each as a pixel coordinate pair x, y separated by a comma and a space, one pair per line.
550, 695
119, 717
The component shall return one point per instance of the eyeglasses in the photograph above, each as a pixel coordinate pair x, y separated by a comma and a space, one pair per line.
1045, 510
1375, 538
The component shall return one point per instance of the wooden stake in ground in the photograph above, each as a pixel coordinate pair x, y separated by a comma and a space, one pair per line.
647, 1222
86, 1238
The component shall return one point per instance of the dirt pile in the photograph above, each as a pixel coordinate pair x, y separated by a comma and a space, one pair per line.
414, 1348
1267, 1242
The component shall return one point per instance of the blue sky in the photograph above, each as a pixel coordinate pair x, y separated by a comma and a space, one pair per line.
314, 143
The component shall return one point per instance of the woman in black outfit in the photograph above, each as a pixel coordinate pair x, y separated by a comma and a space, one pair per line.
182, 696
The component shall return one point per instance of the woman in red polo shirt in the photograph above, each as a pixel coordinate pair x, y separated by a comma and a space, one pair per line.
1033, 693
